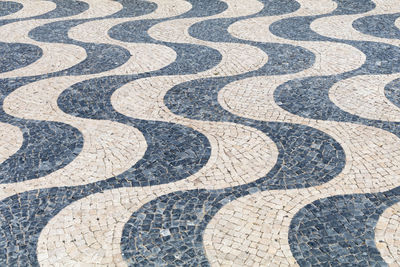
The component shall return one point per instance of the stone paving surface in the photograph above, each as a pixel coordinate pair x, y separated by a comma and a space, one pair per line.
200, 133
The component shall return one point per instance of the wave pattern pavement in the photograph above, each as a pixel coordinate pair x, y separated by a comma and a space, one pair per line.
199, 133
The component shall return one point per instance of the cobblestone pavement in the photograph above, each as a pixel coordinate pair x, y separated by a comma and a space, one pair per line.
200, 133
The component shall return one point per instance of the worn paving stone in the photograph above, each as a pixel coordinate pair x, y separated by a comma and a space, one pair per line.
199, 133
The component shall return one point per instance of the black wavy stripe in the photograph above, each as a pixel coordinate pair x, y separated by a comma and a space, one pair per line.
17, 55
340, 230
9, 7
379, 25
47, 146
392, 92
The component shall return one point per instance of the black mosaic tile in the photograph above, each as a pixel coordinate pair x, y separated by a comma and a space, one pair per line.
168, 230
17, 55
392, 92
379, 26
339, 230
47, 146
9, 7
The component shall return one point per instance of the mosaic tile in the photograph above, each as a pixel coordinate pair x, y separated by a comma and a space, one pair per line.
56, 147
30, 9
18, 55
387, 235
52, 57
370, 102
391, 92
378, 25
99, 57
199, 133
176, 154
339, 230
50, 11
8, 7
62, 142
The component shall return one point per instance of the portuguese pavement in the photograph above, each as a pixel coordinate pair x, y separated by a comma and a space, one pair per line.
200, 133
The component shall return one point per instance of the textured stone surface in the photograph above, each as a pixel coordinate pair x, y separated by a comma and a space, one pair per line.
199, 132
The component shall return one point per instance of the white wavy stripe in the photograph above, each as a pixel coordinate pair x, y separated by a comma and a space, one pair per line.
365, 96
98, 9
148, 100
145, 57
99, 29
11, 139
262, 220
341, 26
143, 99
387, 235
238, 153
34, 101
253, 98
397, 23
31, 9
166, 8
